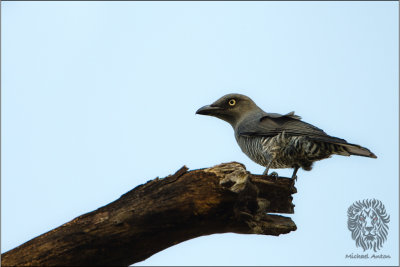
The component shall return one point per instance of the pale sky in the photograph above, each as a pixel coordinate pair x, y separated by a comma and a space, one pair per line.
99, 97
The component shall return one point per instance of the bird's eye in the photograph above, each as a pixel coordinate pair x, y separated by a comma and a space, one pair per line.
232, 102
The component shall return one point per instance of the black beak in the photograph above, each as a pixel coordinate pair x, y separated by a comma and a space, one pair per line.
207, 110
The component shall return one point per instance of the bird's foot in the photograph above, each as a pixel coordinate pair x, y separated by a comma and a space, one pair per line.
294, 178
274, 174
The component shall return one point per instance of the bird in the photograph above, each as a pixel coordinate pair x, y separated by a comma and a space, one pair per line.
278, 141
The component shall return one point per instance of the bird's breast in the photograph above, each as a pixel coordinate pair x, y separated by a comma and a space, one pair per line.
254, 148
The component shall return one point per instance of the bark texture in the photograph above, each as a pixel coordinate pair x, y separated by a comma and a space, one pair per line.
162, 213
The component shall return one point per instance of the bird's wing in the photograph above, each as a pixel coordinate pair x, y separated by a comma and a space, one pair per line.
277, 115
271, 124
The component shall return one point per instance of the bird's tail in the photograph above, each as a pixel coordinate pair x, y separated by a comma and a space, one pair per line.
358, 150
341, 147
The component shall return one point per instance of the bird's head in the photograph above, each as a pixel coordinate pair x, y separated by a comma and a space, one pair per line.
231, 108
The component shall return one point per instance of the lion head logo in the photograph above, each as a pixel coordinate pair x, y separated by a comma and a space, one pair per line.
368, 223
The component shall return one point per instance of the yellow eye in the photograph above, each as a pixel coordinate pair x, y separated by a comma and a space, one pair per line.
232, 102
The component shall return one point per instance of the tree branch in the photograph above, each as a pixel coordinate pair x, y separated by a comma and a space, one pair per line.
162, 213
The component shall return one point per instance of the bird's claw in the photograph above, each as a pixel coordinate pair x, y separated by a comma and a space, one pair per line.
274, 174
294, 178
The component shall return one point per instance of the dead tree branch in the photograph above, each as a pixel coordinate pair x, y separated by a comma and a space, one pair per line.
162, 213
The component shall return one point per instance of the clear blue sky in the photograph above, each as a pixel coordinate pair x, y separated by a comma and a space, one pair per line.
99, 97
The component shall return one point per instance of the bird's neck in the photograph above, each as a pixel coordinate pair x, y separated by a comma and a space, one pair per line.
255, 114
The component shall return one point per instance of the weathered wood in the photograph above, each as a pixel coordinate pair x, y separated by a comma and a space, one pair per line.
162, 213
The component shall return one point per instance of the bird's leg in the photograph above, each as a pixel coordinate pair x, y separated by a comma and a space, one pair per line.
294, 176
267, 169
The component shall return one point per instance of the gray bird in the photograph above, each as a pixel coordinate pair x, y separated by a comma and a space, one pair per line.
278, 141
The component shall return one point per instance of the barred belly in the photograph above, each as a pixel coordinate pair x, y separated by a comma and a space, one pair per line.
287, 151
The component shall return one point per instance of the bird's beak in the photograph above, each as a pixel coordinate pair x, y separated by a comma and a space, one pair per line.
207, 110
